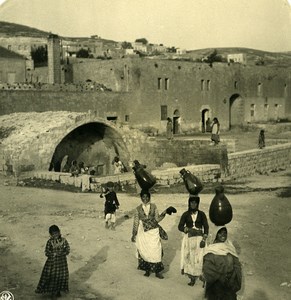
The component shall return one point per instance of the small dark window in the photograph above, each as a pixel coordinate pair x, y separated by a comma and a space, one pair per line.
260, 85
159, 83
164, 112
126, 118
236, 85
167, 82
208, 85
252, 110
112, 119
202, 84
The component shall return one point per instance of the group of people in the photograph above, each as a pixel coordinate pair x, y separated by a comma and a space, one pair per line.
213, 127
214, 262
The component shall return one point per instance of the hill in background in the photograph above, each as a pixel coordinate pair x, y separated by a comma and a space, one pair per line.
12, 29
277, 59
253, 56
15, 30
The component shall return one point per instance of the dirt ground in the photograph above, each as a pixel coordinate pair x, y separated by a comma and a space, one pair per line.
102, 262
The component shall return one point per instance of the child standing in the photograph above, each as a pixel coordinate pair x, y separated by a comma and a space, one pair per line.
110, 206
55, 273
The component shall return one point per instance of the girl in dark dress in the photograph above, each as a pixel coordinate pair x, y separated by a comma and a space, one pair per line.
55, 273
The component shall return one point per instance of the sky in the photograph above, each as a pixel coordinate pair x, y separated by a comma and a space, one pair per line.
189, 24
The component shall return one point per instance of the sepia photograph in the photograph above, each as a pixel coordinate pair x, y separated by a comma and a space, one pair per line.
145, 149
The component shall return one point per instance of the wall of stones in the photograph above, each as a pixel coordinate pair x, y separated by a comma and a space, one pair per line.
259, 161
240, 164
104, 103
166, 177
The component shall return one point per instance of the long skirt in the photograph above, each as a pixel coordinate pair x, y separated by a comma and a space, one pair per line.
55, 276
149, 249
191, 256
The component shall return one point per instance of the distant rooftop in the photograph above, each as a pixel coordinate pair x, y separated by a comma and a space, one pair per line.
5, 53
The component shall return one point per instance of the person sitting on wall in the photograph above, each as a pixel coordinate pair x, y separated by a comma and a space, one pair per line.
118, 166
74, 170
82, 168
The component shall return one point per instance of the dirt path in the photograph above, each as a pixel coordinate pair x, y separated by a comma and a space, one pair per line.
102, 263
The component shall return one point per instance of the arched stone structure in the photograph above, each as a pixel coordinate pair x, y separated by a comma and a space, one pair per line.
176, 122
205, 122
236, 111
39, 141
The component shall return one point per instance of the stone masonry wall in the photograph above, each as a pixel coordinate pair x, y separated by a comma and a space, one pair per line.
250, 162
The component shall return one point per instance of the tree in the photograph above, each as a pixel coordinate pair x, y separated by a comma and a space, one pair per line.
39, 55
142, 40
83, 53
126, 45
213, 57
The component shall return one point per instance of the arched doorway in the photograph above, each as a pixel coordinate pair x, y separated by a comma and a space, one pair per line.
205, 120
176, 122
236, 111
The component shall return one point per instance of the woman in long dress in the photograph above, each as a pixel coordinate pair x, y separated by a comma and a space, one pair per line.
194, 225
146, 236
55, 274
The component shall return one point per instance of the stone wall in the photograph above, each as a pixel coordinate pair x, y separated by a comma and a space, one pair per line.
32, 100
259, 161
166, 177
241, 164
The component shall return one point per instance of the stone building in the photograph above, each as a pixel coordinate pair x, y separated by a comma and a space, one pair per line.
12, 67
237, 58
191, 92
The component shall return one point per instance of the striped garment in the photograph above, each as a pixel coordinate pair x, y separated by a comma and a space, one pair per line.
55, 273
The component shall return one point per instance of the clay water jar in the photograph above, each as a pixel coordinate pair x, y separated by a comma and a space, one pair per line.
220, 210
192, 183
144, 178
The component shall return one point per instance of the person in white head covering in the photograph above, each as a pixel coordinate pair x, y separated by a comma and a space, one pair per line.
221, 268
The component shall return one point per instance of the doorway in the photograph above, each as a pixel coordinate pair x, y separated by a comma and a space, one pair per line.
236, 111
176, 122
205, 120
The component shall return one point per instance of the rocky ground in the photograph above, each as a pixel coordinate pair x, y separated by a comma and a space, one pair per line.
102, 262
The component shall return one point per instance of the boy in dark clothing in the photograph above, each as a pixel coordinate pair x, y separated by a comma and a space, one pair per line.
110, 206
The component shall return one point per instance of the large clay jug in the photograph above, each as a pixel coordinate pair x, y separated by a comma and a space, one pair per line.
145, 179
192, 183
220, 210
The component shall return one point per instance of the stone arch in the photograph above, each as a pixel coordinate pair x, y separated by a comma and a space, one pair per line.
236, 111
37, 141
95, 143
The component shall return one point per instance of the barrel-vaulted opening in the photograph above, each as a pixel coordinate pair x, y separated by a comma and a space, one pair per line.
95, 144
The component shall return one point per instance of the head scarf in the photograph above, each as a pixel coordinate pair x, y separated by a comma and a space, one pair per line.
145, 192
193, 198
220, 248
